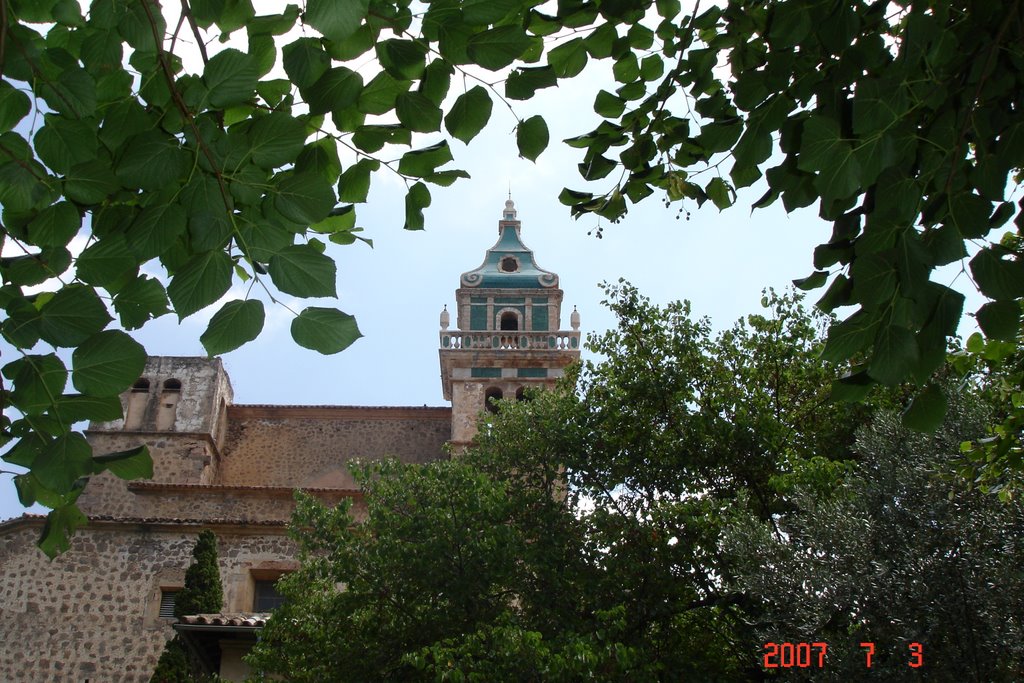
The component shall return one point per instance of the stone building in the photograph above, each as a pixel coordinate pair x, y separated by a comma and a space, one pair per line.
103, 610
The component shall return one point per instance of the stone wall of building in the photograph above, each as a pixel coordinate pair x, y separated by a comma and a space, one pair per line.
309, 447
92, 613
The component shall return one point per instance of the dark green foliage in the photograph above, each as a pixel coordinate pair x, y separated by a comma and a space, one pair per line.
899, 122
901, 551
202, 593
568, 544
173, 666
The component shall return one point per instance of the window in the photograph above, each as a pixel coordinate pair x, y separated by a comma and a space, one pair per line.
167, 411
141, 386
167, 597
490, 396
265, 596
509, 264
509, 321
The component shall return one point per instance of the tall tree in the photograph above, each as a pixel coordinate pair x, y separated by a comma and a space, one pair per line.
900, 121
201, 594
581, 536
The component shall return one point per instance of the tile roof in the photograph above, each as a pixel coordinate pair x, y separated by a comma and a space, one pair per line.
238, 619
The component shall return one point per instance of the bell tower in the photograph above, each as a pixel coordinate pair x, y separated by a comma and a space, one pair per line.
507, 337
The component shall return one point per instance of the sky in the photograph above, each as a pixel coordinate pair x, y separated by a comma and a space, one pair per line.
719, 261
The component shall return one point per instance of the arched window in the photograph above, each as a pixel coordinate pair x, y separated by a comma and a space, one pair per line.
492, 395
509, 321
138, 400
521, 394
167, 412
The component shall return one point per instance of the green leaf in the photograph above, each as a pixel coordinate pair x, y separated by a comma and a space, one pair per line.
63, 142
201, 281
895, 355
486, 12
354, 182
107, 263
608, 105
63, 461
304, 198
821, 144
55, 225
1000, 319
14, 106
336, 90
403, 59
60, 524
38, 382
522, 83
91, 182
303, 271
276, 139
997, 278
76, 407
417, 199
155, 230
874, 278
849, 337
152, 161
436, 81
140, 301
326, 330
305, 61
423, 162
231, 77
380, 94
718, 191
926, 412
235, 324
532, 137
812, 281
569, 58
73, 315
469, 114
626, 68
498, 47
417, 112
107, 363
337, 21
134, 463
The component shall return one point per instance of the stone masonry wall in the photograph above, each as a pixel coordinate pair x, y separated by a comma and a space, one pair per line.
177, 458
92, 613
309, 447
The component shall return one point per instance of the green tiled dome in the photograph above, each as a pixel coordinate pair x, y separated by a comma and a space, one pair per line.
509, 264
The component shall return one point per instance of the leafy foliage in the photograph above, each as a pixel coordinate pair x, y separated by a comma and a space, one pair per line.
202, 592
173, 665
902, 126
581, 536
900, 551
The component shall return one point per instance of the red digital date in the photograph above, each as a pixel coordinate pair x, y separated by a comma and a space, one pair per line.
805, 655
788, 655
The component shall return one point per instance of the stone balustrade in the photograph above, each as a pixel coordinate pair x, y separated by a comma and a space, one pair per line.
485, 340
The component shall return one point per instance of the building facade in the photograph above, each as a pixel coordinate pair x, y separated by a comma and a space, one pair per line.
103, 610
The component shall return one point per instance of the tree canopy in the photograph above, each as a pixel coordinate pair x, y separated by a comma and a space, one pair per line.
172, 140
676, 506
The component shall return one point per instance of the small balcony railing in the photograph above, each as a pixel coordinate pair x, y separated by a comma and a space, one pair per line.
513, 340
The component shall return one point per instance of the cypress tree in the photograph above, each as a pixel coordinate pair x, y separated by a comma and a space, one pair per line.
202, 594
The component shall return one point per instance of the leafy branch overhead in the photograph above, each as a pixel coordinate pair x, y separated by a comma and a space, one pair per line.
151, 157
